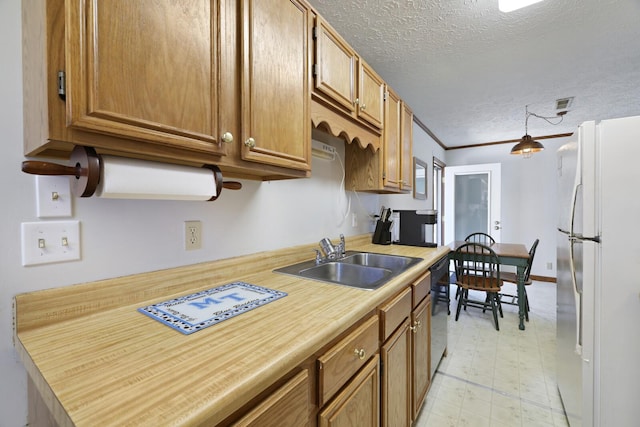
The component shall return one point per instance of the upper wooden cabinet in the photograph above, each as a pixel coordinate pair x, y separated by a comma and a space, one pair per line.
388, 170
391, 177
276, 89
144, 70
370, 95
344, 81
335, 67
406, 149
187, 82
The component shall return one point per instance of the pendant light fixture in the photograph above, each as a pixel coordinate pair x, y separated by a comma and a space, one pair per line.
527, 145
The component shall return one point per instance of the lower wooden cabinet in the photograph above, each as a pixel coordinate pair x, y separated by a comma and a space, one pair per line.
358, 404
405, 332
376, 374
421, 354
396, 378
289, 406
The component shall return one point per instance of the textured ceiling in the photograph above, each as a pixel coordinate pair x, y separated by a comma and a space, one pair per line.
468, 70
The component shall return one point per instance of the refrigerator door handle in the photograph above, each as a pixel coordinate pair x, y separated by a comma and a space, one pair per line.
574, 199
576, 295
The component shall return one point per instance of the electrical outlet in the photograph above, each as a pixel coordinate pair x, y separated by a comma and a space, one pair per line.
49, 242
53, 196
549, 266
192, 235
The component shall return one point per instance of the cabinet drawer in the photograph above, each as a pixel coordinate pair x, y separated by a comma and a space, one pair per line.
288, 406
343, 360
358, 404
421, 288
394, 312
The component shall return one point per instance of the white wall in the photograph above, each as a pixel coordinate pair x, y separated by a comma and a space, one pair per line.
121, 237
529, 206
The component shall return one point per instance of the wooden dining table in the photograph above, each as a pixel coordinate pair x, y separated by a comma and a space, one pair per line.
514, 254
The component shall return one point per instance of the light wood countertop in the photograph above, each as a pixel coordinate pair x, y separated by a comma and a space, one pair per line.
97, 361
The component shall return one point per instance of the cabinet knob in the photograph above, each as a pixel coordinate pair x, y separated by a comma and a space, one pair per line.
357, 101
360, 354
363, 106
227, 137
250, 143
416, 326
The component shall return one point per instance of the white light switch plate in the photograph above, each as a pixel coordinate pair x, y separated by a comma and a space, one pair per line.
50, 241
53, 196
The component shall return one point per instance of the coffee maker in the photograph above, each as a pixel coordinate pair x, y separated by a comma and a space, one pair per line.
412, 227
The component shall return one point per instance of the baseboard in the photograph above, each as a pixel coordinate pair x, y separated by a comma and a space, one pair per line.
543, 279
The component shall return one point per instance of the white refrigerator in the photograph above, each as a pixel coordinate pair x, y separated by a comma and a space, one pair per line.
598, 265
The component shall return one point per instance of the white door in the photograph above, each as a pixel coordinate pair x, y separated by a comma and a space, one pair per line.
472, 201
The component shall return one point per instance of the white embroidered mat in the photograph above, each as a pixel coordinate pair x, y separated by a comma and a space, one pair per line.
194, 312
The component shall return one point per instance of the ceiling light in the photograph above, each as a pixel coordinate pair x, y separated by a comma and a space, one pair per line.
511, 5
527, 145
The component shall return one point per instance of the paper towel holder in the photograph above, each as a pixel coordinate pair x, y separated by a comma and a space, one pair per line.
87, 167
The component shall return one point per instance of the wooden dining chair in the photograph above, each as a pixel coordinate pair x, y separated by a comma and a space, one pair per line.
479, 237
477, 268
511, 277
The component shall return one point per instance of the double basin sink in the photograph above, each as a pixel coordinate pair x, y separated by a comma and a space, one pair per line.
363, 270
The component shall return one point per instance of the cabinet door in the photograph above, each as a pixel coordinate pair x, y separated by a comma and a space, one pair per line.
289, 406
335, 67
276, 95
391, 146
396, 378
358, 404
406, 149
370, 95
144, 70
421, 352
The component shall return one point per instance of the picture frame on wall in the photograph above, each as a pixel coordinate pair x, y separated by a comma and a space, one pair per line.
419, 179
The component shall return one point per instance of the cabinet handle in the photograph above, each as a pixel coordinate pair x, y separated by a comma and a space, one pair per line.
416, 326
227, 137
250, 143
360, 354
363, 106
357, 101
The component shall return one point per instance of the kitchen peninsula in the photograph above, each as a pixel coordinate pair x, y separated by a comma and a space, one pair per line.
95, 360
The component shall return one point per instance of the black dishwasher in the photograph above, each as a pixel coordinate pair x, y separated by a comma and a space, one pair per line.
439, 310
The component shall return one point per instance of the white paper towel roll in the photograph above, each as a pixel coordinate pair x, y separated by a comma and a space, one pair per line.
122, 178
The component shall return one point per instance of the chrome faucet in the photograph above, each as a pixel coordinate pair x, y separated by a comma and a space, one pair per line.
331, 252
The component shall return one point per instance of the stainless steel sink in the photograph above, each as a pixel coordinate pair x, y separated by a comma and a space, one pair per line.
362, 270
391, 262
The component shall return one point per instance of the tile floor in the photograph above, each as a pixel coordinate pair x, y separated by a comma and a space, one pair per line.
500, 378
